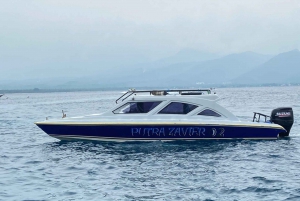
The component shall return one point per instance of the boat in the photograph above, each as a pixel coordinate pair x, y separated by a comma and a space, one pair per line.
182, 114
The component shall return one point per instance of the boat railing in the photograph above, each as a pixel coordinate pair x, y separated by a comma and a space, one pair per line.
257, 119
164, 92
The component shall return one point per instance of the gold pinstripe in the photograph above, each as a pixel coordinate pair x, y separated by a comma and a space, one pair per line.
274, 126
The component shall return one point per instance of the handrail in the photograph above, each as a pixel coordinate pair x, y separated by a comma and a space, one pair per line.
127, 96
259, 114
122, 96
130, 92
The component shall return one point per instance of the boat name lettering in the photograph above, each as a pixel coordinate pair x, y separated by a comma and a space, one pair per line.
169, 131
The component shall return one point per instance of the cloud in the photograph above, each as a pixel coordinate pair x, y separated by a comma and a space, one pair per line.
109, 33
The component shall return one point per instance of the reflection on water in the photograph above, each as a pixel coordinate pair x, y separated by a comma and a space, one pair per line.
156, 147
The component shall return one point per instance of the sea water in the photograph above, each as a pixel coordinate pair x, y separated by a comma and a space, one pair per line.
35, 166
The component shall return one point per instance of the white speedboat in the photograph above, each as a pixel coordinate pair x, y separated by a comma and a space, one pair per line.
169, 115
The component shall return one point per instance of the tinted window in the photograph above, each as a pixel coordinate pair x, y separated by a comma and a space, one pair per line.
136, 107
177, 108
209, 112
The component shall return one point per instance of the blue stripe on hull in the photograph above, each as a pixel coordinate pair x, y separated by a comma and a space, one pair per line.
160, 132
69, 137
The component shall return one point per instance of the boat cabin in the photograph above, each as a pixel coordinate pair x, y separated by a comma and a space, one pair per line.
200, 103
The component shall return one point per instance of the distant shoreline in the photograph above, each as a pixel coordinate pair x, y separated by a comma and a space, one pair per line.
51, 90
37, 90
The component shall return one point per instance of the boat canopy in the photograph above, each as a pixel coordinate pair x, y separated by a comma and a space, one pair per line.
182, 92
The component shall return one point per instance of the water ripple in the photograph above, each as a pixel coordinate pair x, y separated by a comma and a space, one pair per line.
34, 166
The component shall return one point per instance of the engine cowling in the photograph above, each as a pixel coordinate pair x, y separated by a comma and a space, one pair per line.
283, 116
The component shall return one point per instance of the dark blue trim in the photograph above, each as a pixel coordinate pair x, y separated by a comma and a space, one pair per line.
160, 131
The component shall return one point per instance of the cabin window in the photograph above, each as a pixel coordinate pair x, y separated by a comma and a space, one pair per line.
178, 108
136, 107
208, 112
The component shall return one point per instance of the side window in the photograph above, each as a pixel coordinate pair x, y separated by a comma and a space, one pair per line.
177, 108
208, 112
136, 107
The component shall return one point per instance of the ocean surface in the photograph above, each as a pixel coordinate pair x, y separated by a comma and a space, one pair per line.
34, 166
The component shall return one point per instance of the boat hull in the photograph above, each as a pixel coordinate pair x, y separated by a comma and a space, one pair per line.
144, 132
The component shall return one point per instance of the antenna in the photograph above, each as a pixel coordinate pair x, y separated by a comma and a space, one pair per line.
64, 115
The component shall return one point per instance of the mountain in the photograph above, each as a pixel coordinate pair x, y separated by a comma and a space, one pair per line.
226, 68
143, 74
183, 56
189, 55
216, 71
187, 68
283, 68
168, 72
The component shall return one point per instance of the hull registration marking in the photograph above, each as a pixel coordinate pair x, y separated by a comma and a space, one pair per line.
176, 132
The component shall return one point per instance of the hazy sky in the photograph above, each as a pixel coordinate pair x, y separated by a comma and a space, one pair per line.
44, 34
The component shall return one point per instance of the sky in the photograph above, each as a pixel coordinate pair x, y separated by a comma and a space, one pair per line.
45, 37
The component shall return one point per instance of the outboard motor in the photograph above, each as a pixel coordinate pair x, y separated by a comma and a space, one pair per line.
284, 117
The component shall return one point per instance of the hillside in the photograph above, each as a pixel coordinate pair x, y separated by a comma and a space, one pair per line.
187, 68
216, 71
283, 68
